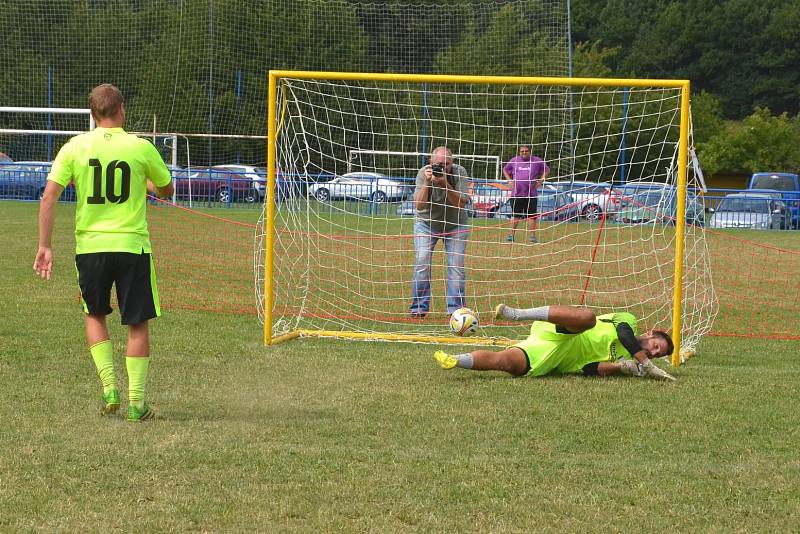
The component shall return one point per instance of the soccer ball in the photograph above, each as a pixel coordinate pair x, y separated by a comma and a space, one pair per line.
464, 322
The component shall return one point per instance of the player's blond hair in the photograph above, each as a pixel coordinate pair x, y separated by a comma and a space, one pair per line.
105, 101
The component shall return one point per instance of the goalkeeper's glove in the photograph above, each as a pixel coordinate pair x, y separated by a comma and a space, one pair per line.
630, 367
652, 371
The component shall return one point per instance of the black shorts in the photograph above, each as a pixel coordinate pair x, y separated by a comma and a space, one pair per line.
135, 280
524, 207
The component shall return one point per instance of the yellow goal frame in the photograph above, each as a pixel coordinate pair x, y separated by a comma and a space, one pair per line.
272, 129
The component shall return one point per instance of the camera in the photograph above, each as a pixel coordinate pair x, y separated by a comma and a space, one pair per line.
437, 170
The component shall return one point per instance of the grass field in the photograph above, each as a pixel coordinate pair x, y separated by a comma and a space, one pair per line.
323, 436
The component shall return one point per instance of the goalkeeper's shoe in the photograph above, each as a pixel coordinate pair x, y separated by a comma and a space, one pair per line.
501, 311
135, 414
444, 360
110, 402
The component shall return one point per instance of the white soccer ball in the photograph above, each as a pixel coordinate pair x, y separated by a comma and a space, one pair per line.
464, 322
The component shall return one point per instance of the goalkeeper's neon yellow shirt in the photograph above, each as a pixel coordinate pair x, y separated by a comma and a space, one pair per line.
550, 351
110, 168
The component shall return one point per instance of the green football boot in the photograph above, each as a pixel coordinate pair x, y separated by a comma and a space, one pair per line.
135, 414
444, 360
110, 402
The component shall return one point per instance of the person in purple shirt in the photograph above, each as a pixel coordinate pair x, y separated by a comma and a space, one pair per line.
526, 173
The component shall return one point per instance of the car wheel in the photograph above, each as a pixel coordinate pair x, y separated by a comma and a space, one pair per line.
592, 212
379, 196
223, 195
323, 195
250, 196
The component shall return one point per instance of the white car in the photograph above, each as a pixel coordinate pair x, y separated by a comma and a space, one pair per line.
591, 198
750, 210
361, 186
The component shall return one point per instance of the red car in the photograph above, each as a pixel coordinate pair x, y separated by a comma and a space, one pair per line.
214, 185
488, 197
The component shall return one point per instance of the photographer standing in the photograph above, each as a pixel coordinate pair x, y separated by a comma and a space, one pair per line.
440, 199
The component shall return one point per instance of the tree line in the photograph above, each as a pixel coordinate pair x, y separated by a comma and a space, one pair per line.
200, 65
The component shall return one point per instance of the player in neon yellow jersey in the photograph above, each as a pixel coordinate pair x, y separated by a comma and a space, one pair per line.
569, 339
112, 172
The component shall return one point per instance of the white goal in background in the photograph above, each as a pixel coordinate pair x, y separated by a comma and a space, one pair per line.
406, 164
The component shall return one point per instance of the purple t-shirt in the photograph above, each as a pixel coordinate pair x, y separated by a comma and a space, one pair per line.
525, 174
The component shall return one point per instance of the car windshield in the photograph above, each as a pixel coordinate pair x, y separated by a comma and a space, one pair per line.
487, 191
642, 198
745, 205
780, 183
362, 177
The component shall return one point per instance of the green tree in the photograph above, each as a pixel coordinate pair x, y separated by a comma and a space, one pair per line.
762, 142
706, 116
743, 52
591, 60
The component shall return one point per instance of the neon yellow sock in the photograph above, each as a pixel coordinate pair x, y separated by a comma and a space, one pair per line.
103, 356
137, 378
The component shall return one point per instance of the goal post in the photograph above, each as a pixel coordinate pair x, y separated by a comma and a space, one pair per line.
329, 269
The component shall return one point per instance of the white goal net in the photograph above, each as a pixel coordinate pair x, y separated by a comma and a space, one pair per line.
343, 264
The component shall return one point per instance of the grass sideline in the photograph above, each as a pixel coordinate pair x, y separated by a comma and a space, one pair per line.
317, 435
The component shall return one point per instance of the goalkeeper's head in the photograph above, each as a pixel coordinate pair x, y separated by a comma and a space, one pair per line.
657, 343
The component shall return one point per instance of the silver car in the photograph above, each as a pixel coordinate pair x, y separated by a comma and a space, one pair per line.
591, 198
361, 186
750, 210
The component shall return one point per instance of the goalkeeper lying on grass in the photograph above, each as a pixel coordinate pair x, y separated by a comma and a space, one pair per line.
569, 339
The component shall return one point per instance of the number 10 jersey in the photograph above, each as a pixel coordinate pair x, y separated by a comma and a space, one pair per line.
110, 168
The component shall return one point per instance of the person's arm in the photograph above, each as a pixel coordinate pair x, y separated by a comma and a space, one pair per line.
423, 192
454, 196
542, 177
509, 167
43, 263
642, 366
162, 192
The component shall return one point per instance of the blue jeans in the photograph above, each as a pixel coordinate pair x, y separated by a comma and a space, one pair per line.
455, 245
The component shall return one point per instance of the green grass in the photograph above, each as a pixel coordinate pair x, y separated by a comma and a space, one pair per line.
316, 435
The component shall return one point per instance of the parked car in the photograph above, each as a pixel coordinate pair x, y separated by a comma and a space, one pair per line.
789, 186
178, 172
592, 198
210, 184
26, 180
751, 210
286, 187
653, 202
257, 174
23, 180
361, 186
407, 208
487, 198
552, 205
